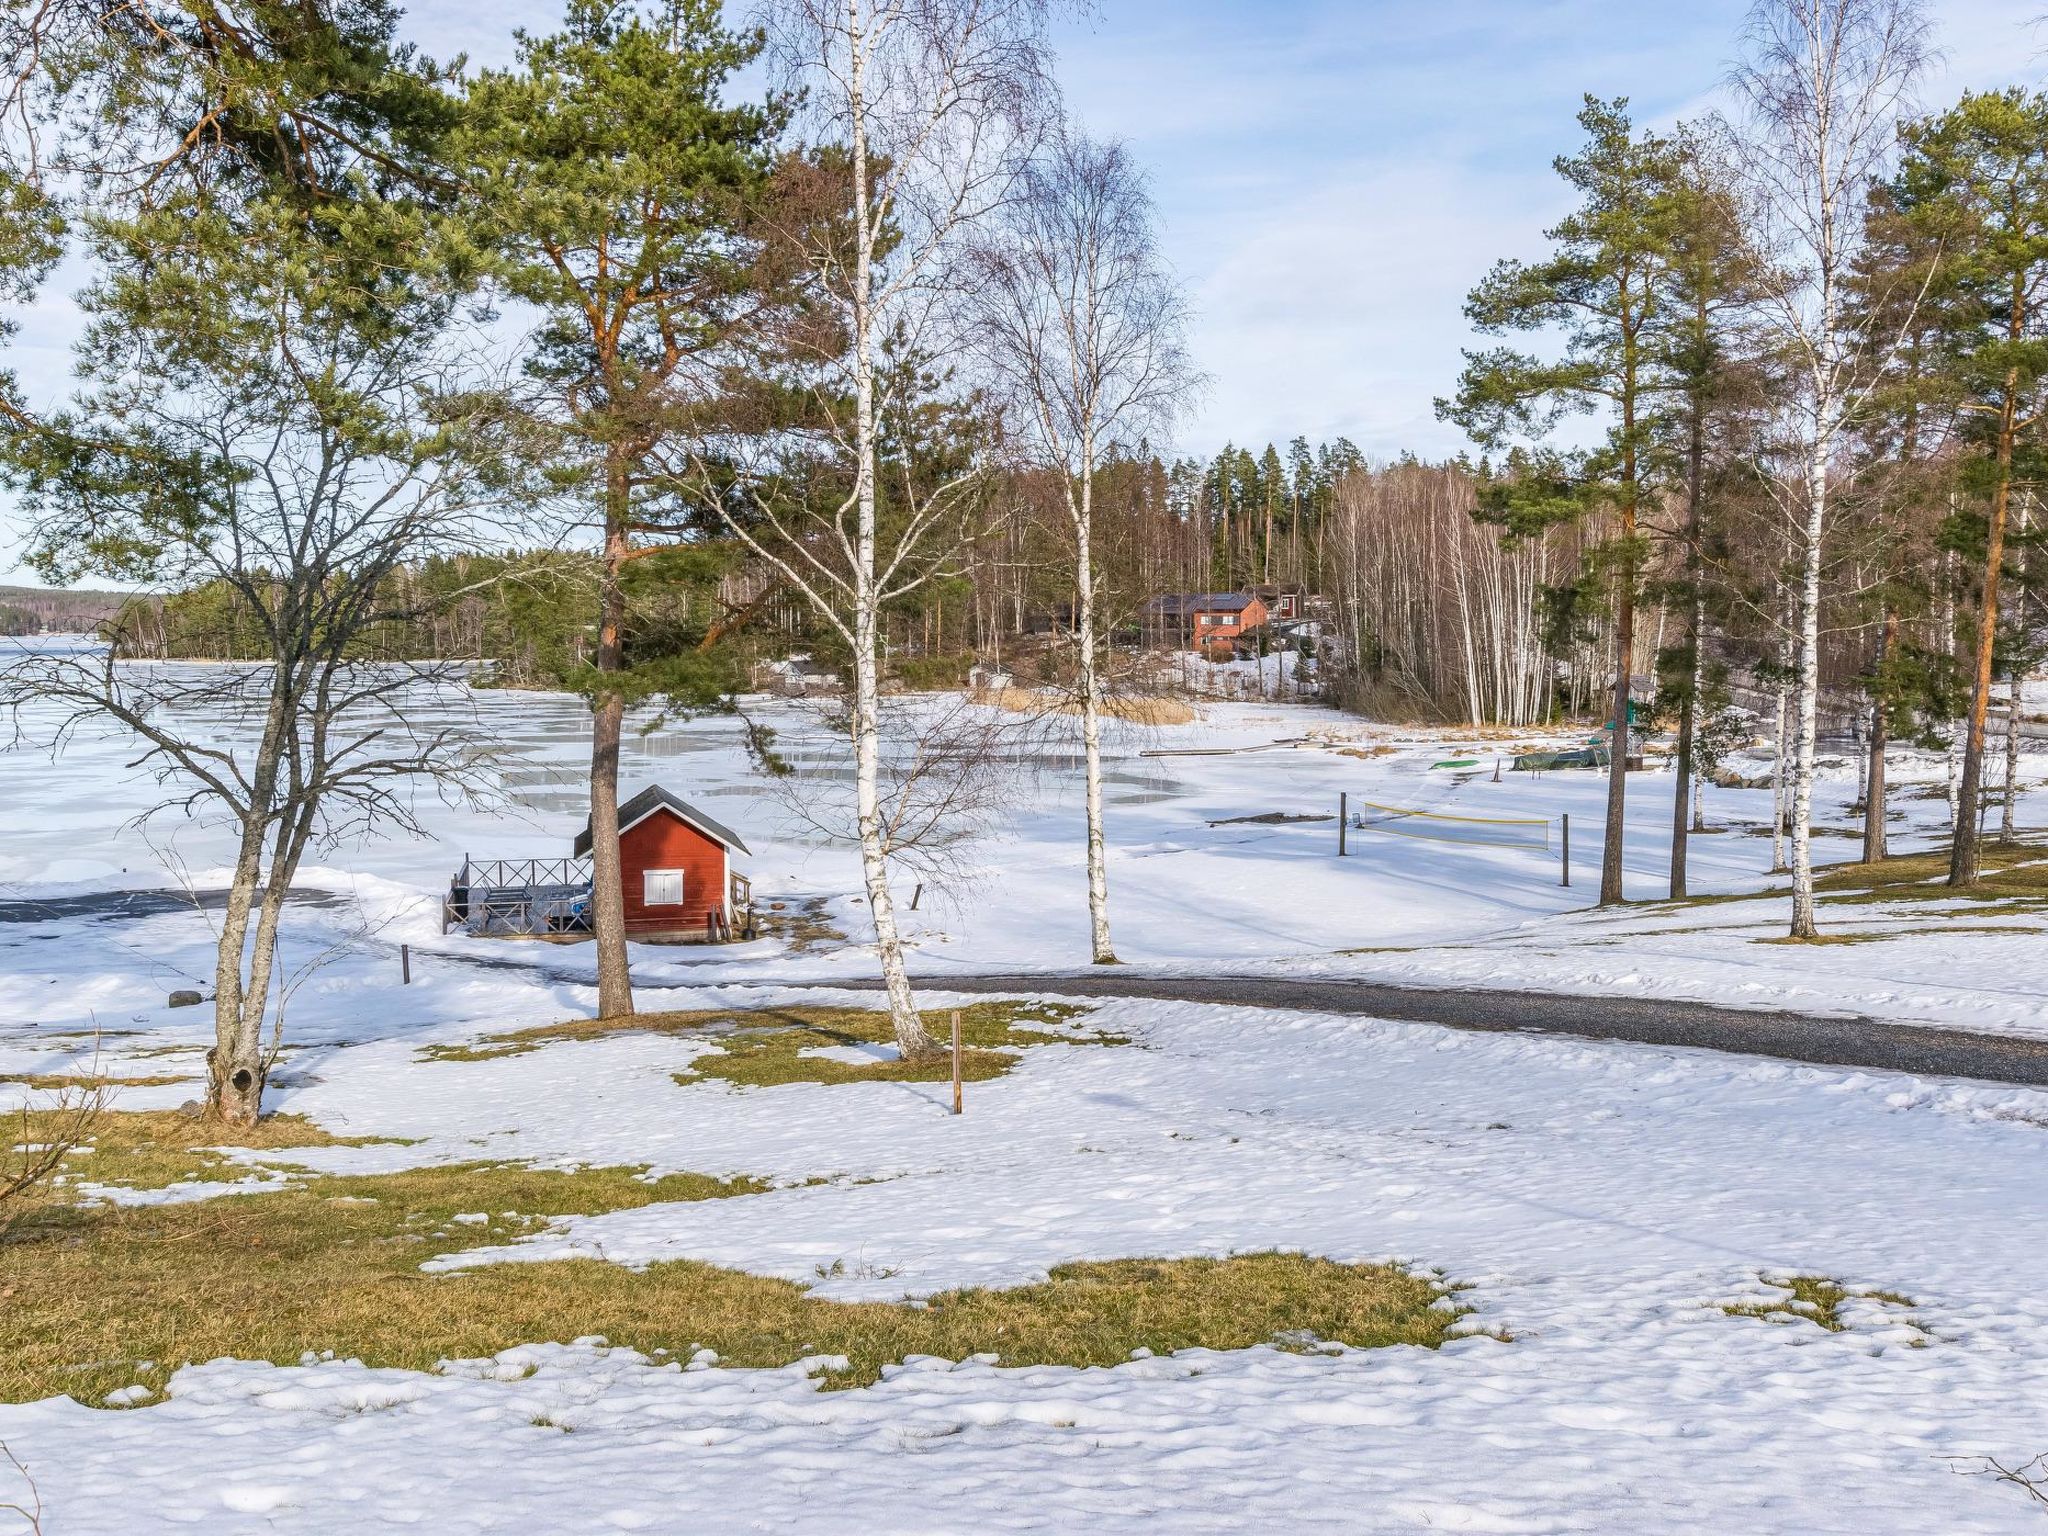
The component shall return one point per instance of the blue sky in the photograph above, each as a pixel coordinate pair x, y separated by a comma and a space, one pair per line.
1332, 177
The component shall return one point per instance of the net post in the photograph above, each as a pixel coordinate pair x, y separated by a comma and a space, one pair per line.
1566, 818
1343, 820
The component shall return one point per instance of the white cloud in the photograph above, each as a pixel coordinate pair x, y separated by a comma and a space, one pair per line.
1339, 313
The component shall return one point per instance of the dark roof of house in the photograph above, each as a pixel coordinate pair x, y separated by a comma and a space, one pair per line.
1179, 604
655, 798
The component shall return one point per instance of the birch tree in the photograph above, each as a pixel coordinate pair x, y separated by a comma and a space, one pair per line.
1823, 83
273, 405
1082, 324
926, 111
272, 401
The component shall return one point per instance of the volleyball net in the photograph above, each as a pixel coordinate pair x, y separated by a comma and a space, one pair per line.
1531, 832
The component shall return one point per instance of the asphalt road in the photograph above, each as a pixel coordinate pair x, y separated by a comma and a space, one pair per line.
1835, 1042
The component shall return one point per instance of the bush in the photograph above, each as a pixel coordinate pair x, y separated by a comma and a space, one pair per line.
923, 674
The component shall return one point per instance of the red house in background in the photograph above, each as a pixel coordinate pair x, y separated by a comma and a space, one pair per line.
676, 866
1214, 623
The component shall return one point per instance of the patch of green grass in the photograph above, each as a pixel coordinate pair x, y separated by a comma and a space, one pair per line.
61, 1080
764, 1047
2013, 873
1684, 903
154, 1149
1920, 931
2015, 884
1815, 1298
91, 1290
1825, 938
804, 926
769, 1051
94, 1298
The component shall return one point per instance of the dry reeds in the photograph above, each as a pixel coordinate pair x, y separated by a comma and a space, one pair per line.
1149, 709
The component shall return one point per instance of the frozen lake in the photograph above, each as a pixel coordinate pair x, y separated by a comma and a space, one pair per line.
1222, 854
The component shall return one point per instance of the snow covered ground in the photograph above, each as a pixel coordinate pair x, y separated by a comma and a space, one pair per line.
1603, 1203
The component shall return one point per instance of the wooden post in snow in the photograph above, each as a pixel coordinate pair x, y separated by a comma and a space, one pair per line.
1343, 820
956, 1062
1567, 819
405, 964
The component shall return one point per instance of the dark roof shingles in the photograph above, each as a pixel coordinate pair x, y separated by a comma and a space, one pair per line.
654, 797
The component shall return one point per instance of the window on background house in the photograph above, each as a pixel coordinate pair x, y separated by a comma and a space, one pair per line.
663, 888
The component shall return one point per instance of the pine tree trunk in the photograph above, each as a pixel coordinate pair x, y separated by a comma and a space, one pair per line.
1963, 856
234, 1086
242, 1090
1874, 829
1611, 891
234, 1077
1688, 709
608, 713
1681, 793
1617, 762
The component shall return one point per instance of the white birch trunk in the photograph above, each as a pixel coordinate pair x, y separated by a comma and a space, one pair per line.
1778, 792
1808, 680
1954, 789
912, 1039
2007, 827
1091, 709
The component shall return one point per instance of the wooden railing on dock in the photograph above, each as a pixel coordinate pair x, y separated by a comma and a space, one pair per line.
519, 896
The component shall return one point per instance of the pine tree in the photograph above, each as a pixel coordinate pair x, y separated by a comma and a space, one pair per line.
611, 180
1272, 498
1905, 478
1707, 295
1601, 286
1977, 176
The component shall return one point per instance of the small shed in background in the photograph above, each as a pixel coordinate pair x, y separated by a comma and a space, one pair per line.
675, 864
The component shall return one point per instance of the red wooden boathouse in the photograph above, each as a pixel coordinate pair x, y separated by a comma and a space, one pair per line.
676, 866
